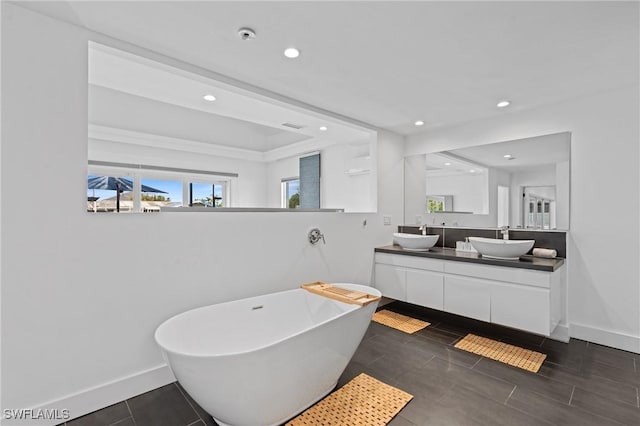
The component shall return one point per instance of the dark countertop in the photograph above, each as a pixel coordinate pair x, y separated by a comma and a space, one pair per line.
525, 262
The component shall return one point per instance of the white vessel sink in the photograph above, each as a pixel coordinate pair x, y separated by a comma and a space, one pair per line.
501, 249
415, 242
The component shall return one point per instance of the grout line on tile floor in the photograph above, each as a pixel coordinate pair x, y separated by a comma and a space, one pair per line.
512, 391
189, 402
199, 421
434, 324
455, 341
121, 421
572, 392
637, 397
130, 412
476, 363
635, 365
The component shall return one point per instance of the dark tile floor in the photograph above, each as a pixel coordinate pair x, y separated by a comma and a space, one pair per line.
580, 383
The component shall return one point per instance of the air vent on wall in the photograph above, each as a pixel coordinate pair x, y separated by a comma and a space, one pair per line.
294, 126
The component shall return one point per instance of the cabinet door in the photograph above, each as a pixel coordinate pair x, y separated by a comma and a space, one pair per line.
468, 297
425, 288
517, 306
391, 281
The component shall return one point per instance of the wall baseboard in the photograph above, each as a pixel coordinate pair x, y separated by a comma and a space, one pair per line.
101, 396
561, 333
605, 337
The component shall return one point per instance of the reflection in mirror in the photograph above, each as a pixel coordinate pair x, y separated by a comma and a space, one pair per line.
153, 125
522, 183
450, 177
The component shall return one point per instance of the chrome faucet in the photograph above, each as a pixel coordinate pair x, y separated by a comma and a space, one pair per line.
505, 232
423, 229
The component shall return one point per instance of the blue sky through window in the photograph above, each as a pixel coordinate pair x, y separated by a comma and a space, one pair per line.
203, 190
293, 187
173, 189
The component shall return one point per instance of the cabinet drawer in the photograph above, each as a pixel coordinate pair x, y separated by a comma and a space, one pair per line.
526, 308
500, 273
467, 297
425, 288
391, 281
410, 261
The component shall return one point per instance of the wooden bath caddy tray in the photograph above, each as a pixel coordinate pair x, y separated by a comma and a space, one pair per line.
340, 294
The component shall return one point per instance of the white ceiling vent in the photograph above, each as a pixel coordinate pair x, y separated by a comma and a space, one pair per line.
294, 126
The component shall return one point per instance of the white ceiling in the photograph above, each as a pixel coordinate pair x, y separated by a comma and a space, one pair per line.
134, 93
390, 63
121, 110
527, 154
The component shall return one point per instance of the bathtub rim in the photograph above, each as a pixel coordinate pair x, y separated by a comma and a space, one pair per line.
357, 287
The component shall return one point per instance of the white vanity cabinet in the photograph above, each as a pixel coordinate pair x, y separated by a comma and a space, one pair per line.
391, 281
425, 288
526, 299
410, 279
468, 297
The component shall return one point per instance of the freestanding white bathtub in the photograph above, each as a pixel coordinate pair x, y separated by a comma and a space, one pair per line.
262, 360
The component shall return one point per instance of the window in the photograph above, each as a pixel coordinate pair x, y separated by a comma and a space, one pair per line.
149, 191
290, 191
207, 194
435, 204
109, 193
157, 193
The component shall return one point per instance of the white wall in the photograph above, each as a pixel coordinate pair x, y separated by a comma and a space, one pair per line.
487, 201
249, 189
603, 249
468, 191
339, 189
415, 189
277, 170
82, 294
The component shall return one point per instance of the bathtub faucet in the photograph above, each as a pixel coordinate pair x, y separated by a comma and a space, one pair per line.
315, 236
504, 230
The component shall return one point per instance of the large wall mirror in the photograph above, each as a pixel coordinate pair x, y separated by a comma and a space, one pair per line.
163, 137
521, 183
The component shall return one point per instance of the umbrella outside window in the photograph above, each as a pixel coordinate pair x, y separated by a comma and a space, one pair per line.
116, 184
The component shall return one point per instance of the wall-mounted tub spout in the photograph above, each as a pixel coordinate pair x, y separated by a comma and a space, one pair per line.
315, 236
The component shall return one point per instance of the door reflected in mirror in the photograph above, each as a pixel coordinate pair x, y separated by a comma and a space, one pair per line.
521, 183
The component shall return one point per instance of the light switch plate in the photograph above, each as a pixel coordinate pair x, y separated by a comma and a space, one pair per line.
387, 220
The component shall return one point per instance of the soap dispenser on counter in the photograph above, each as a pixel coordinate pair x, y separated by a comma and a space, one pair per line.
465, 246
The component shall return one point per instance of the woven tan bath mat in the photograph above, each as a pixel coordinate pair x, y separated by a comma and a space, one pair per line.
364, 401
505, 353
399, 321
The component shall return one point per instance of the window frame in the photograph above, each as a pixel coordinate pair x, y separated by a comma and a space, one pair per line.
138, 174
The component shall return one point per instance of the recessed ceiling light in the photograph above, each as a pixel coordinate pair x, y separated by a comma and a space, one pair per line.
447, 164
503, 104
508, 156
209, 98
323, 128
419, 123
291, 52
472, 171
